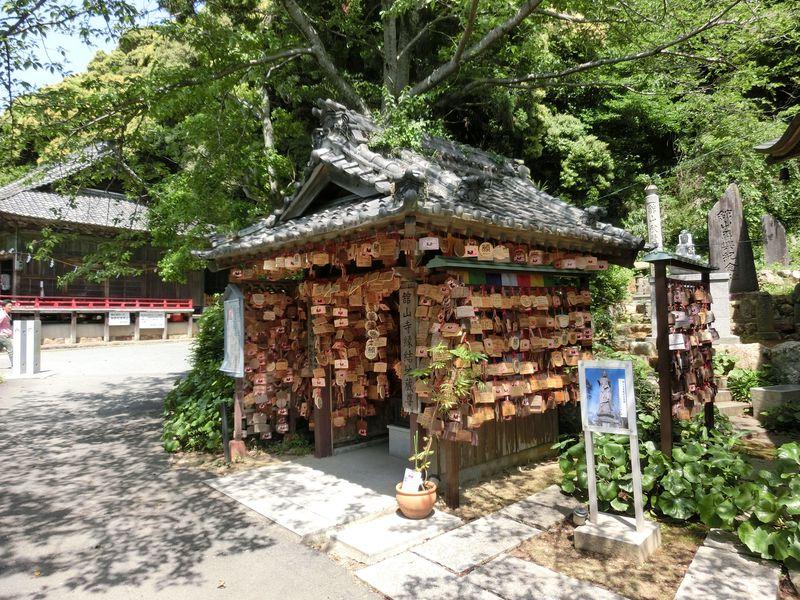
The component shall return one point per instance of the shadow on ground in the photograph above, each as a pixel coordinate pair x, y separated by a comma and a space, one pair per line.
89, 498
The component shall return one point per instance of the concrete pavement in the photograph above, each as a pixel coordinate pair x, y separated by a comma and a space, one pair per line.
90, 508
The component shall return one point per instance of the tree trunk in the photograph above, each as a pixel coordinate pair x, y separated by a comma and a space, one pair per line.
269, 139
389, 53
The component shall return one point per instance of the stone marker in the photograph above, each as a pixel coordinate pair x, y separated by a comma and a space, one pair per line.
729, 243
616, 535
774, 236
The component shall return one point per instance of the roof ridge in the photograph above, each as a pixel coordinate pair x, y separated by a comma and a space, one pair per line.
48, 173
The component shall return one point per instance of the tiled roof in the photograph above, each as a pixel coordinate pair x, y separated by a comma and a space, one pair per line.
785, 147
26, 198
446, 181
87, 207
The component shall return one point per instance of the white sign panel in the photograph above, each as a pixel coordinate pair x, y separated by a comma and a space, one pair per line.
152, 320
233, 305
608, 405
119, 317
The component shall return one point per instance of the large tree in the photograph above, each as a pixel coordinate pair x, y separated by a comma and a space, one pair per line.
211, 111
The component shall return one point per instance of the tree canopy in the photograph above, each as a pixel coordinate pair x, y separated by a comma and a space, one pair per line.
211, 110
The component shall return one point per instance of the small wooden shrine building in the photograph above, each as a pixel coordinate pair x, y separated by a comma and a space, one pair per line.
378, 256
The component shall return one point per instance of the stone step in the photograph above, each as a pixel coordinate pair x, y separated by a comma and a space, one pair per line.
732, 408
371, 541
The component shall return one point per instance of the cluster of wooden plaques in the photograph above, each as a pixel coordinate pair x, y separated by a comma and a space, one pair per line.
276, 361
386, 250
351, 324
533, 337
691, 335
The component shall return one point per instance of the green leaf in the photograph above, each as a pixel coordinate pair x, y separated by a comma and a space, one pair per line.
790, 451
693, 472
766, 509
607, 490
727, 512
567, 486
707, 508
619, 505
677, 507
757, 539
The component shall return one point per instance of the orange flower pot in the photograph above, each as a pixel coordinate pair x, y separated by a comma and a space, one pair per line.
416, 505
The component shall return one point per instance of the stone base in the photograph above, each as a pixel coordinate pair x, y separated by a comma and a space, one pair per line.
615, 535
772, 396
237, 448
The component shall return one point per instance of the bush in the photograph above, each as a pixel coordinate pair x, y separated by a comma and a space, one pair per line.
784, 418
609, 289
192, 407
741, 380
676, 487
723, 363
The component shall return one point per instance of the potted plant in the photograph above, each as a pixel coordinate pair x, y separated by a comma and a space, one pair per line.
447, 380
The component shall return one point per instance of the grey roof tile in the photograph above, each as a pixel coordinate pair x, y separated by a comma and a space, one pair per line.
458, 181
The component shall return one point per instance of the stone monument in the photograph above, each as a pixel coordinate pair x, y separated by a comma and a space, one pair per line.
653, 209
729, 243
686, 246
774, 236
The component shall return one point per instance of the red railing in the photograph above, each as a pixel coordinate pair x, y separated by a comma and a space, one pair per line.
69, 303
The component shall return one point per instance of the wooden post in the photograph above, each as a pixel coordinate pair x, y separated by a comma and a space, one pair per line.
136, 330
664, 356
238, 394
709, 406
323, 434
190, 330
73, 327
165, 331
451, 474
106, 329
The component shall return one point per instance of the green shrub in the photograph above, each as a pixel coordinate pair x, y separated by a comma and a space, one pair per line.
723, 363
676, 487
783, 418
609, 289
741, 380
192, 407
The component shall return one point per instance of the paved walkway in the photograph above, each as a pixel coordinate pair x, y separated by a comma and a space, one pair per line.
90, 508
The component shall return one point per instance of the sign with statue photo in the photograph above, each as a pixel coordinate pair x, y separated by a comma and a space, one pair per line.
608, 406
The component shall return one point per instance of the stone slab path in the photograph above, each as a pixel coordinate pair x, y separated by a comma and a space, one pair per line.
723, 568
309, 496
516, 579
385, 536
470, 561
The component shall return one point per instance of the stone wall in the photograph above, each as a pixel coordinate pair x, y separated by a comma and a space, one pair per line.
760, 316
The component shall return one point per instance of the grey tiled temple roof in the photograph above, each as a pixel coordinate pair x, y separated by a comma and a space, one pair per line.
30, 199
445, 183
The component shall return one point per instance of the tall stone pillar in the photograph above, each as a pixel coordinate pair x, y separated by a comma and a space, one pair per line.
653, 207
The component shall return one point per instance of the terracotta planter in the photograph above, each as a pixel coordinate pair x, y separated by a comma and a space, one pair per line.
416, 505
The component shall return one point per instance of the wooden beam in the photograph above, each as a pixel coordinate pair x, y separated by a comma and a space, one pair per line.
452, 473
323, 434
709, 406
664, 356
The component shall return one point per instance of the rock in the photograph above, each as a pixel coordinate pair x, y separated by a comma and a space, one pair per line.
786, 309
795, 274
768, 277
785, 273
647, 349
785, 359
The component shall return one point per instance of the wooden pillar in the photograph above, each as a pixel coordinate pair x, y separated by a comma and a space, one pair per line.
323, 432
452, 473
106, 329
238, 395
664, 356
73, 327
709, 406
136, 330
165, 331
190, 330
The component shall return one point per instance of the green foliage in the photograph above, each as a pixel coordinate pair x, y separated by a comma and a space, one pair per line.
609, 289
404, 124
723, 362
291, 446
192, 407
783, 418
741, 380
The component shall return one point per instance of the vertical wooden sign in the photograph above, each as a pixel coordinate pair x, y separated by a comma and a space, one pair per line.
408, 343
